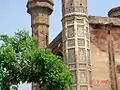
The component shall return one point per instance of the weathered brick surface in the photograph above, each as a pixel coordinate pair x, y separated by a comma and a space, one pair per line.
99, 52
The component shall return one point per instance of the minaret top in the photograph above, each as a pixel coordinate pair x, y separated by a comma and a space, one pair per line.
70, 6
48, 4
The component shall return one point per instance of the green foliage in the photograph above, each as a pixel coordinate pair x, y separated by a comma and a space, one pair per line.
21, 60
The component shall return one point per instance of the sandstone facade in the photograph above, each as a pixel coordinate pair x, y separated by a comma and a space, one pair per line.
83, 42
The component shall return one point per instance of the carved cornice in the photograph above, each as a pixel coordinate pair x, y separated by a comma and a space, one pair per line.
75, 9
104, 20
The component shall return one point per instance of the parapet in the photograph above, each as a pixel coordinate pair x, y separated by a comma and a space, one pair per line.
104, 20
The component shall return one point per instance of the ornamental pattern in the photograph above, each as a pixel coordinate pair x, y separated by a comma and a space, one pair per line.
72, 66
88, 44
71, 43
75, 9
70, 31
83, 66
82, 54
80, 31
71, 55
88, 56
83, 88
80, 21
81, 42
83, 77
74, 76
70, 22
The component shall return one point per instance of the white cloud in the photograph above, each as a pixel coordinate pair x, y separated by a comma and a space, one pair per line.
25, 86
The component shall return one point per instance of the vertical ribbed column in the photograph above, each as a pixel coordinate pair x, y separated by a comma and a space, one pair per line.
76, 42
113, 77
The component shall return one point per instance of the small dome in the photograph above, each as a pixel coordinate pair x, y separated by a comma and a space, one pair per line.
114, 12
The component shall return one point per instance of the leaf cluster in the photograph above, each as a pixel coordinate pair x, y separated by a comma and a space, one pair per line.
22, 61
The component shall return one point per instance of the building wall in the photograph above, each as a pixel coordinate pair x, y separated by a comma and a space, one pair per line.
99, 56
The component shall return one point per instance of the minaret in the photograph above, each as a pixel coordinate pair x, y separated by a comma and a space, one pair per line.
76, 42
40, 10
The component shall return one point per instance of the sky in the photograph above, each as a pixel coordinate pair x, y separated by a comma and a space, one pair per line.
13, 16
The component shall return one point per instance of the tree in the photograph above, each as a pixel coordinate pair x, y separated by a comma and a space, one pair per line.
22, 61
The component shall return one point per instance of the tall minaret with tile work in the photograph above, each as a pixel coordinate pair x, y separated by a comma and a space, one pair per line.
76, 42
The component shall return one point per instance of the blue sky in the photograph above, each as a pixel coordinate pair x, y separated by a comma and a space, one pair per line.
13, 16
